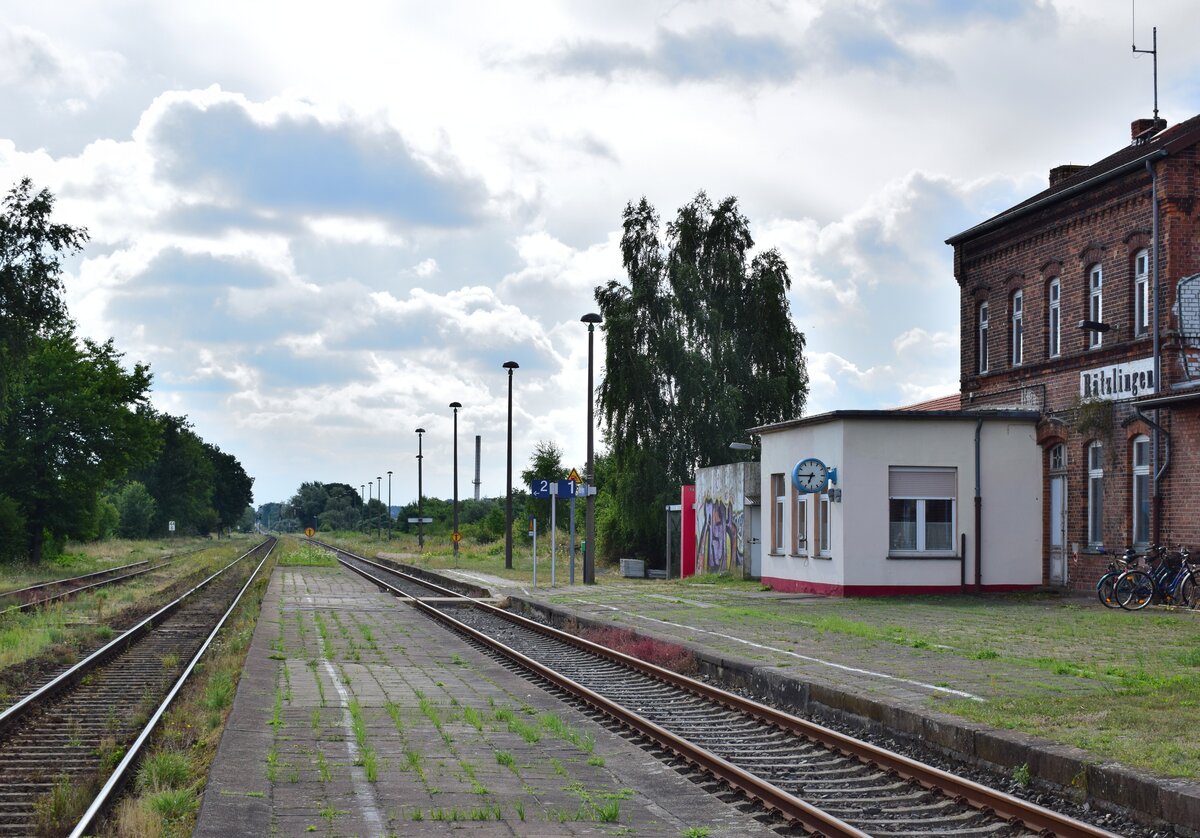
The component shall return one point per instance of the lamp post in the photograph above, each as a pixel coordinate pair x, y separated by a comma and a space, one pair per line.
420, 492
362, 499
589, 553
508, 563
455, 406
389, 506
367, 523
379, 494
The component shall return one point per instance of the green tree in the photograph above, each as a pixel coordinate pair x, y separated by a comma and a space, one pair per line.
309, 502
233, 489
544, 464
76, 422
700, 346
31, 251
180, 478
136, 508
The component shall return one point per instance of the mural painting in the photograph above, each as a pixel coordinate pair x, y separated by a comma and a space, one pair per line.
720, 518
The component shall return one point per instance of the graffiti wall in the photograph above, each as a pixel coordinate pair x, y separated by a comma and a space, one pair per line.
720, 518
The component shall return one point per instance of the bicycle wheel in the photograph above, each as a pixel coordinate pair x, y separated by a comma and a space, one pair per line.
1134, 590
1105, 590
1189, 592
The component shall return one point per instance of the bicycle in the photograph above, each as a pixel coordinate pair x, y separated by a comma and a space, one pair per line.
1105, 586
1170, 581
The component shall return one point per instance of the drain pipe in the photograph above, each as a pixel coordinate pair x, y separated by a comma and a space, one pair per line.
978, 512
1156, 498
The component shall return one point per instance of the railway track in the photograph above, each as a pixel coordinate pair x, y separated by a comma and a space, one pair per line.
818, 779
94, 717
35, 596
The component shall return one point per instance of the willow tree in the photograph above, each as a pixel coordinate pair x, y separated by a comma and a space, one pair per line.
700, 346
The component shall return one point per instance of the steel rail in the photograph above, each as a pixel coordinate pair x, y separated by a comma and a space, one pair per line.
17, 711
988, 800
120, 774
70, 579
68, 594
795, 810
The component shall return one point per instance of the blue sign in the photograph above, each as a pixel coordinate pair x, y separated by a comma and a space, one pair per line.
566, 488
545, 488
540, 488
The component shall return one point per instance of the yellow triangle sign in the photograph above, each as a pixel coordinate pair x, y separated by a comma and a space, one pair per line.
574, 476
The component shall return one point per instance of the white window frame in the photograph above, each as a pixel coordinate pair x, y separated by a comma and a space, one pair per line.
982, 337
778, 487
1095, 304
921, 548
824, 530
1141, 488
1054, 318
1141, 292
1095, 519
1058, 458
800, 524
1018, 327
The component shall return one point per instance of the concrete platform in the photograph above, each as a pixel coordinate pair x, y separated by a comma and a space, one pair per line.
357, 716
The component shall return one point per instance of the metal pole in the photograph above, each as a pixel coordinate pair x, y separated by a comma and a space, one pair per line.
571, 546
508, 545
589, 552
420, 491
553, 535
389, 506
455, 406
534, 552
379, 494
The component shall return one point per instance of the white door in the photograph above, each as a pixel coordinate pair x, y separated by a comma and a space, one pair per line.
1058, 530
753, 528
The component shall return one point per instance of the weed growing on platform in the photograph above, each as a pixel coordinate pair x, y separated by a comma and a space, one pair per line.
552, 723
323, 767
272, 763
667, 655
295, 554
472, 717
326, 642
696, 832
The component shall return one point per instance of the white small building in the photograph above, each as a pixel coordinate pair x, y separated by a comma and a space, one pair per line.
900, 514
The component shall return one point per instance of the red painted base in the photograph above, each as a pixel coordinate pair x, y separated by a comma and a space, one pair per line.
800, 586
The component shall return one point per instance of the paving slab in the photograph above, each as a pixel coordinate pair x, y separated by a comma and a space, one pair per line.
357, 716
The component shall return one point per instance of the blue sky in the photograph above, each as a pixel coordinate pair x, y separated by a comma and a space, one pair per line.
321, 227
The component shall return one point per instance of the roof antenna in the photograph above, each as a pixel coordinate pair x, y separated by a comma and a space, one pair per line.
1153, 51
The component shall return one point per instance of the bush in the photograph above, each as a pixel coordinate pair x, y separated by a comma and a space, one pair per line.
13, 546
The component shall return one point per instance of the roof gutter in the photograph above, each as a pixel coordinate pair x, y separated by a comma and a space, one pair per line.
1005, 217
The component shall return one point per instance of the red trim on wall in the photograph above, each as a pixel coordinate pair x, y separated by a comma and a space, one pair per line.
800, 586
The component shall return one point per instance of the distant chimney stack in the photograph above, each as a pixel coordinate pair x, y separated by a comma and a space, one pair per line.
1141, 130
1060, 173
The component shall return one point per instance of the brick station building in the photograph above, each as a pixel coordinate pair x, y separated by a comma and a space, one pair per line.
1083, 303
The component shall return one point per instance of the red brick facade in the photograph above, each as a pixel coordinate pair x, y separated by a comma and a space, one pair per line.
1097, 217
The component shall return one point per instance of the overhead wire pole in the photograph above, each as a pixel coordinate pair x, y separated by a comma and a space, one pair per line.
589, 552
379, 494
508, 540
389, 506
420, 492
455, 406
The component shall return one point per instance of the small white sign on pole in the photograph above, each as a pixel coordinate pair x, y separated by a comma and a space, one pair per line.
170, 526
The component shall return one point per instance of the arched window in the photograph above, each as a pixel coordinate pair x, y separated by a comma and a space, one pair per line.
1054, 322
1018, 329
1141, 490
1096, 304
983, 337
1096, 495
1141, 292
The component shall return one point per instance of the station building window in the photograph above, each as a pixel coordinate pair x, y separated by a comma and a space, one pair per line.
1141, 491
1095, 460
800, 524
1054, 318
778, 493
1095, 304
921, 509
1141, 292
824, 548
1018, 330
983, 337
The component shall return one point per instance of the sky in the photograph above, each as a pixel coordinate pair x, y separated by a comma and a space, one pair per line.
320, 224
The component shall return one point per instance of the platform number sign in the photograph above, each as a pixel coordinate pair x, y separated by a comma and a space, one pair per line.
552, 488
540, 488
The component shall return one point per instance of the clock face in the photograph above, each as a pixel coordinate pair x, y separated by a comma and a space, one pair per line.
810, 476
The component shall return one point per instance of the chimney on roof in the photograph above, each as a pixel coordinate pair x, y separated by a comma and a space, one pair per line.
1141, 130
1060, 173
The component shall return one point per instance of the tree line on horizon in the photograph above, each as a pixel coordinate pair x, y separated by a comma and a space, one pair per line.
83, 453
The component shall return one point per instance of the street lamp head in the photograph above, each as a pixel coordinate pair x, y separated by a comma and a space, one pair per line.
591, 319
389, 474
742, 446
511, 365
455, 405
420, 430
